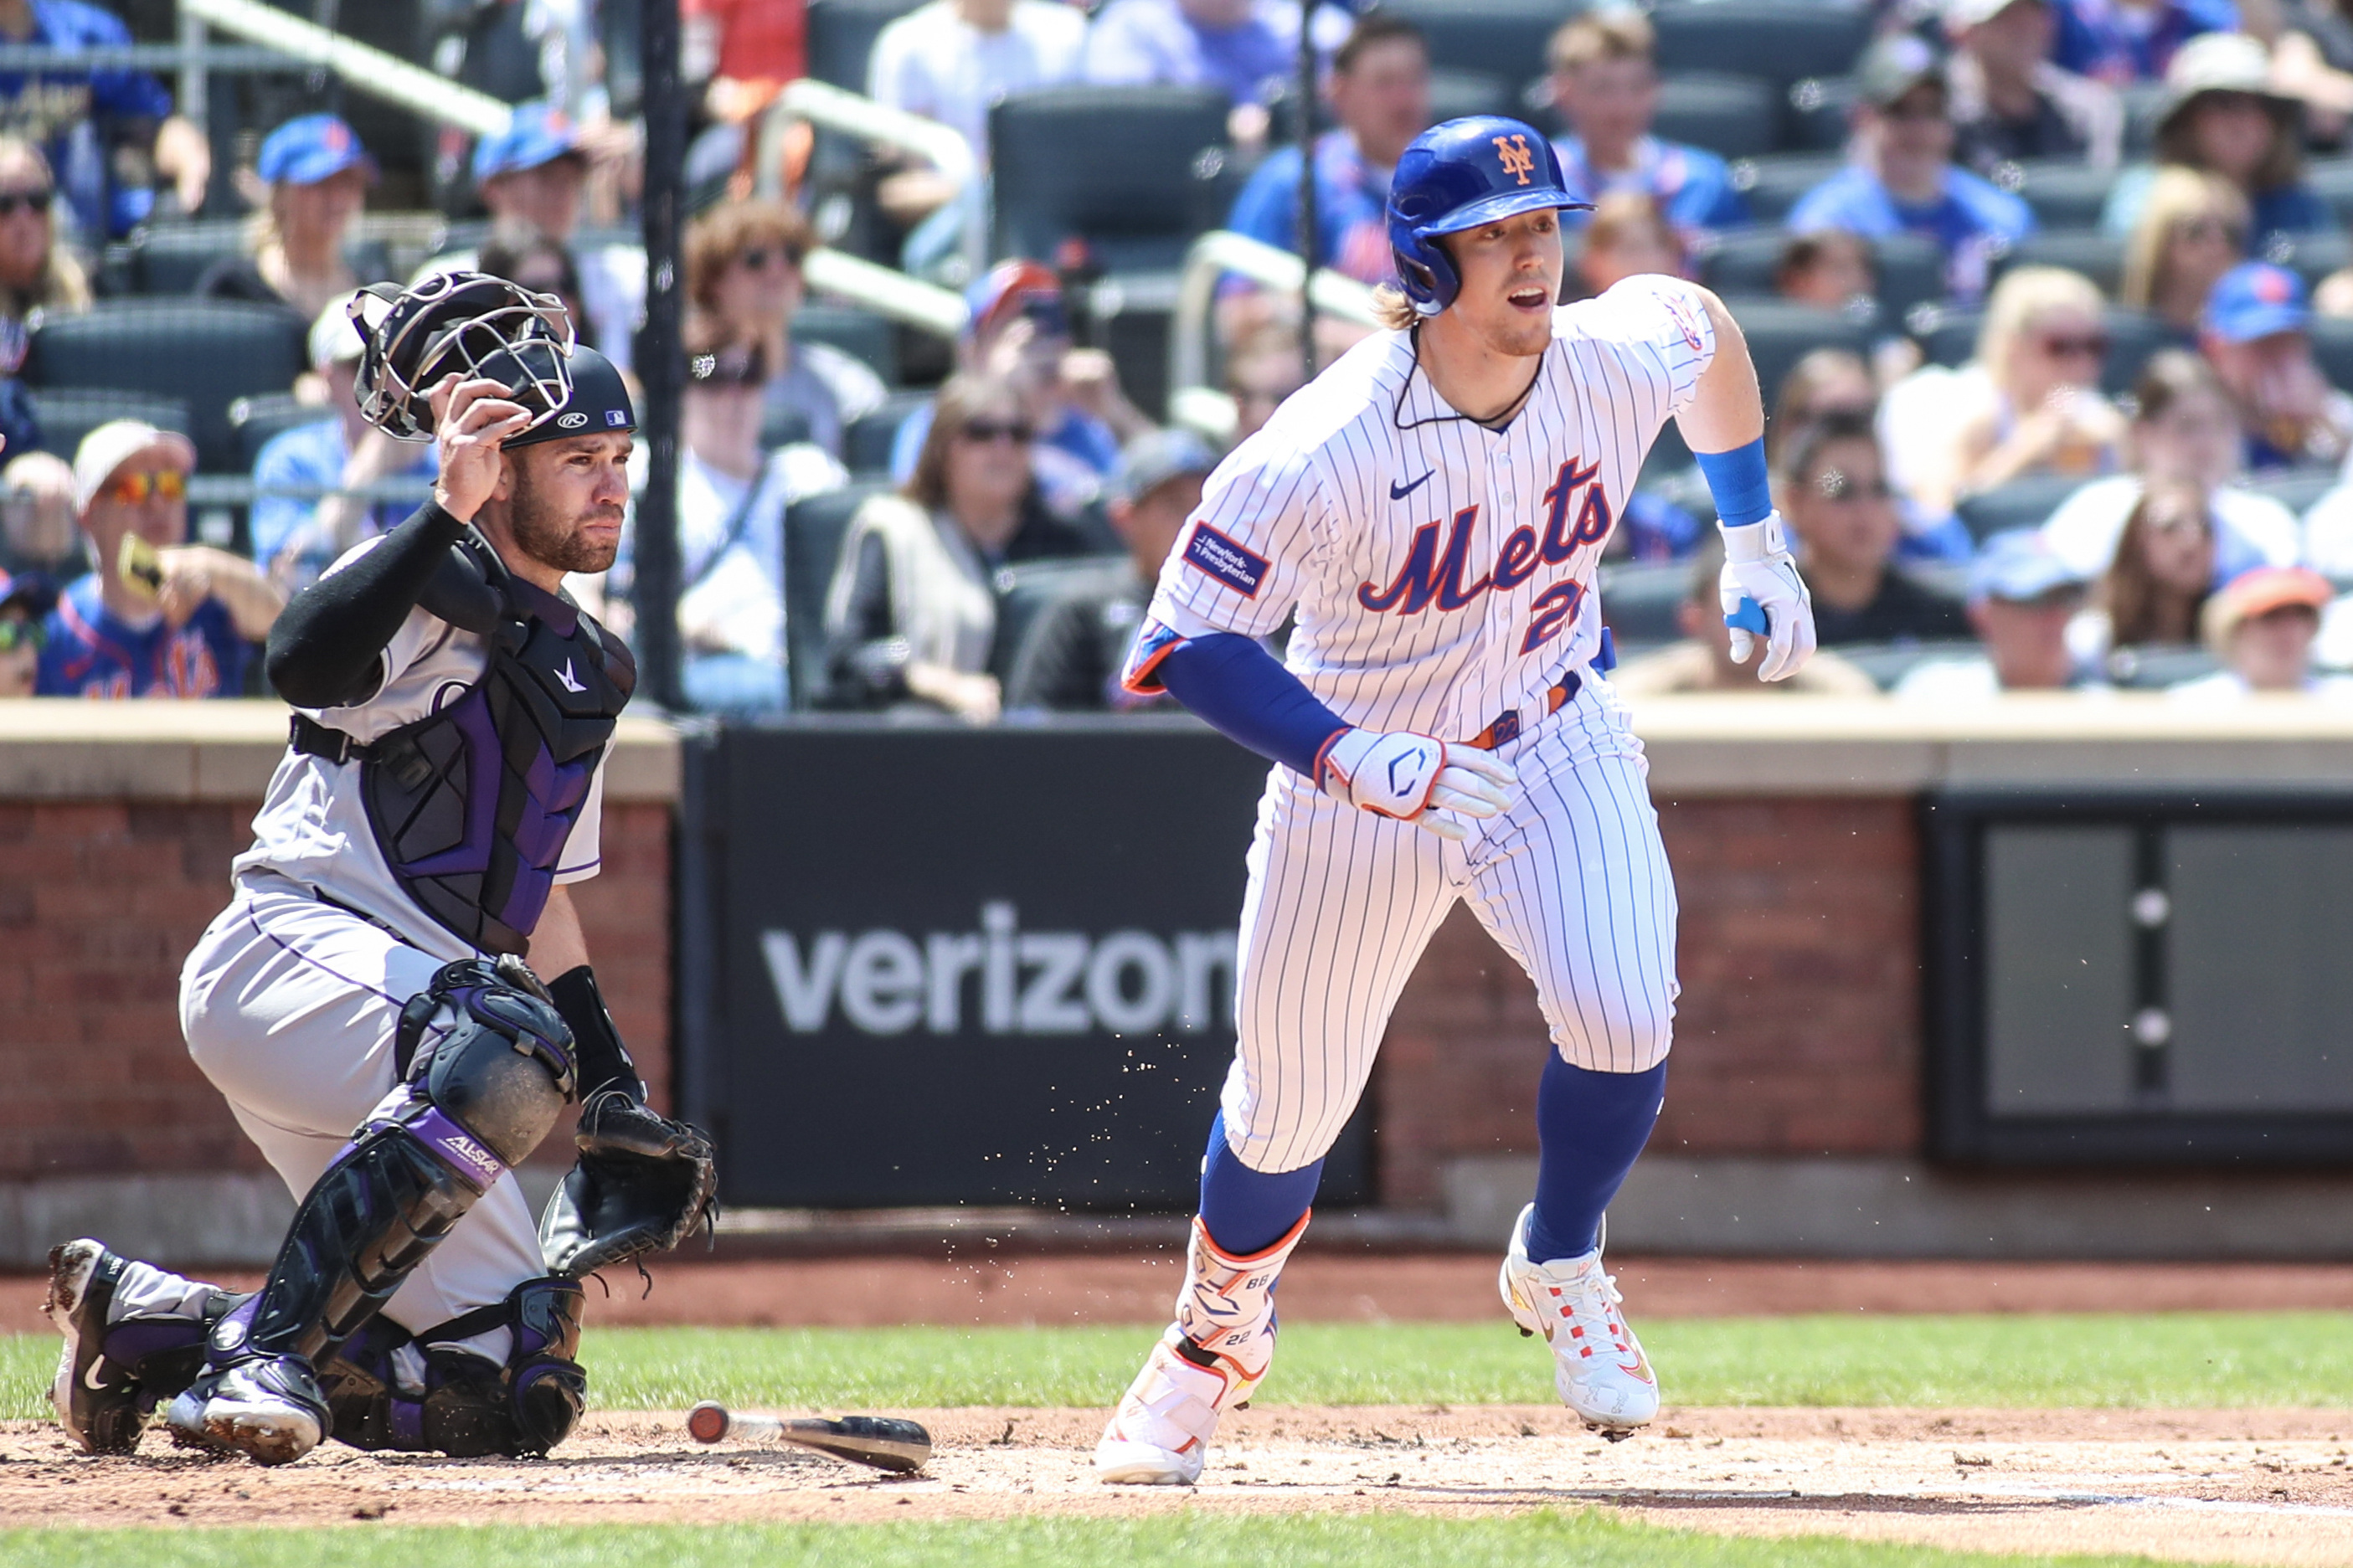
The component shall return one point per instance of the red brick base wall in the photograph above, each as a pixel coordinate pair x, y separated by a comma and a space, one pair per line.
1797, 1032
99, 903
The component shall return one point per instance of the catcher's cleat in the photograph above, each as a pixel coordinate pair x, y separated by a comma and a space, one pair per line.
1220, 1347
267, 1407
1597, 1363
98, 1402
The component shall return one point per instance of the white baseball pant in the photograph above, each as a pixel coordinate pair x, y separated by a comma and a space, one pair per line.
289, 1006
1571, 880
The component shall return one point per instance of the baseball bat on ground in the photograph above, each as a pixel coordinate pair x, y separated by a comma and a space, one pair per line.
884, 1442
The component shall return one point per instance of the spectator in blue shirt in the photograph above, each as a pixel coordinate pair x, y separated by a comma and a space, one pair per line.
2124, 41
109, 134
2221, 116
1379, 90
1605, 83
1904, 180
297, 531
1248, 47
163, 619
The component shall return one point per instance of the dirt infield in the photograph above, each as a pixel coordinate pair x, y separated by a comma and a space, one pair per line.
1451, 1287
2257, 1487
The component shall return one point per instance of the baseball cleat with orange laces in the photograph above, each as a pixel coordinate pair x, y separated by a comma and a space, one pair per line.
1597, 1363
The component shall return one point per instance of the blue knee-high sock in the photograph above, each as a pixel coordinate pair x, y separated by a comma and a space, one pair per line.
1590, 1129
1248, 1211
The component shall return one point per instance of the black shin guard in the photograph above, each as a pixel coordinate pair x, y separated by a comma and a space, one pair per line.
389, 1389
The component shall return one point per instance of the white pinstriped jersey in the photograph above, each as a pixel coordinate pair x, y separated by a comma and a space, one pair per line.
1443, 572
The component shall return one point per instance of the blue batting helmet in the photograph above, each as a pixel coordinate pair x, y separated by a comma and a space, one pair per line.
1459, 175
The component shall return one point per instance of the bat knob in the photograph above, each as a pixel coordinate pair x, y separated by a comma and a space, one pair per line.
707, 1422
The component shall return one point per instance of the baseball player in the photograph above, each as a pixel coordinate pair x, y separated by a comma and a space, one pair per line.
1433, 508
364, 1004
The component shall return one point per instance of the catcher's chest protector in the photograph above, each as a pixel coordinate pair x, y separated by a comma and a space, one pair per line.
471, 805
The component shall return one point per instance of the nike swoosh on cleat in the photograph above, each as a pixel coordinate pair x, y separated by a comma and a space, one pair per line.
90, 1376
1397, 494
1635, 1370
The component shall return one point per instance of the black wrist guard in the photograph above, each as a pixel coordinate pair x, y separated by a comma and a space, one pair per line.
603, 1061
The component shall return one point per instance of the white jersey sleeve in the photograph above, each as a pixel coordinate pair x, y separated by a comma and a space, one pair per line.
1660, 329
1239, 563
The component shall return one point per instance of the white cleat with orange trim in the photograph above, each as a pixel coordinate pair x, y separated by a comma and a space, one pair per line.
1219, 1348
1597, 1363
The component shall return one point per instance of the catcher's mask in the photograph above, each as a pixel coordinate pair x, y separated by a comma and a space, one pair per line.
454, 323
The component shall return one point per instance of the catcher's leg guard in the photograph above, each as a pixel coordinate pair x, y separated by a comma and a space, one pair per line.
488, 1066
134, 1336
389, 1389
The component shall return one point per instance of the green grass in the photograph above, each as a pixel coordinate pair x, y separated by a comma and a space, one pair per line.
2165, 1359
1195, 1540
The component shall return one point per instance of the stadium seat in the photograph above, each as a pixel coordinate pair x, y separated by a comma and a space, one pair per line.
2063, 195
841, 35
1027, 591
1504, 38
1731, 116
1454, 94
1946, 336
1129, 318
1135, 171
2132, 339
1639, 599
2313, 256
66, 415
2156, 667
1774, 184
2096, 256
257, 418
1911, 268
2022, 503
208, 351
1818, 116
2332, 346
866, 445
169, 258
1780, 333
814, 530
1773, 39
2144, 103
2294, 488
2332, 178
1740, 266
861, 335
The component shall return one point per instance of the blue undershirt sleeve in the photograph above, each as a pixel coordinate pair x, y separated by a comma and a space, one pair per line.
1245, 695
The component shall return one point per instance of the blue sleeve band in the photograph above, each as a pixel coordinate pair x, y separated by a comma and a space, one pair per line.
1237, 686
1743, 492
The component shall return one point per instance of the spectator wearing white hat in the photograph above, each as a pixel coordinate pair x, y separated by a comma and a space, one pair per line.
297, 531
2222, 114
2010, 102
2022, 594
162, 618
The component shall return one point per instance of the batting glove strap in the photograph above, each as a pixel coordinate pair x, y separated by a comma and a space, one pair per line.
1389, 773
1764, 600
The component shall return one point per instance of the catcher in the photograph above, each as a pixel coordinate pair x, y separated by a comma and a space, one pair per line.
364, 1002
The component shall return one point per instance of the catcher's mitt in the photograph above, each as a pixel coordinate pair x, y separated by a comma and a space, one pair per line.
642, 1183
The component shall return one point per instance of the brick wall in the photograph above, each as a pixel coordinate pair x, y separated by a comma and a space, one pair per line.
1798, 1028
99, 902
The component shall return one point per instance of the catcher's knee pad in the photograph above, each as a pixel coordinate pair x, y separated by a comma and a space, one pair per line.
390, 1389
485, 1047
489, 1065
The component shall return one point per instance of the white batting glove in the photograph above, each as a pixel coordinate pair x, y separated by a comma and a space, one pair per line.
1417, 779
1763, 596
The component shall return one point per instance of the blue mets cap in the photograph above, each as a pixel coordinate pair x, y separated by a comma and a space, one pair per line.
310, 149
2256, 299
2020, 567
536, 133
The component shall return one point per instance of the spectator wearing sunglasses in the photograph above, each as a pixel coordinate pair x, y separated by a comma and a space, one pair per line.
1019, 333
2222, 115
162, 618
1904, 179
2192, 229
37, 273
314, 177
1833, 494
2030, 403
109, 132
911, 616
744, 272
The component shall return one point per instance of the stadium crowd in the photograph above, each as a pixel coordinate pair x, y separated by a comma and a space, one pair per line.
2053, 300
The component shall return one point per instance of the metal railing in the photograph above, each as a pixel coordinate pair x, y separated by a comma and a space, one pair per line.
361, 67
833, 108
1218, 253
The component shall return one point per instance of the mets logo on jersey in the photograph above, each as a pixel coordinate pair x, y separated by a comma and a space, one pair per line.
1513, 151
1433, 574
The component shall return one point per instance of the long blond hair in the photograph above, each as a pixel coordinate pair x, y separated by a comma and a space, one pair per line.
2025, 293
2177, 195
63, 285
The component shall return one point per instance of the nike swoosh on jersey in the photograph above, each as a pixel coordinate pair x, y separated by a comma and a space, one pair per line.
1397, 494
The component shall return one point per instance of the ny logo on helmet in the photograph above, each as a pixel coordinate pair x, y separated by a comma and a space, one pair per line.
1516, 158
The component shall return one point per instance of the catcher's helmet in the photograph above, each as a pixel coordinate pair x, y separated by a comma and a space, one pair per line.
458, 323
1459, 175
598, 404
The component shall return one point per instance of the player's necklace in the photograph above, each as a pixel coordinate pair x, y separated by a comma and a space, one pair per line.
1496, 422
